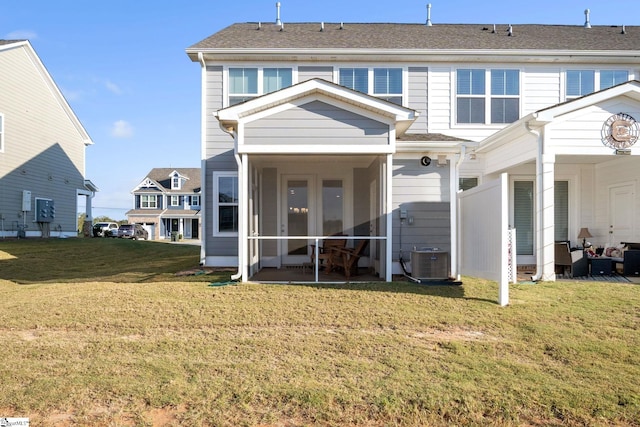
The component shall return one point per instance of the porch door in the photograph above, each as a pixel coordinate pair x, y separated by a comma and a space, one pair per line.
298, 217
621, 213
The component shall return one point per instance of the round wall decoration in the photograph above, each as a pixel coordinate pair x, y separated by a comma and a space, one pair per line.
620, 131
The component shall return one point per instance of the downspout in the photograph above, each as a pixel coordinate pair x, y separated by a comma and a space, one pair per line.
455, 217
203, 162
538, 275
233, 133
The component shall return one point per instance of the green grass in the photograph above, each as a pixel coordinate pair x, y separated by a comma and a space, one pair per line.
129, 343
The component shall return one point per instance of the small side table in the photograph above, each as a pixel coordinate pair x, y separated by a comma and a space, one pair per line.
601, 266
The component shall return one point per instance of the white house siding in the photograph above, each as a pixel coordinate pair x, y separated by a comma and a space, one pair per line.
316, 123
424, 193
620, 170
308, 72
540, 88
44, 150
580, 132
439, 100
418, 86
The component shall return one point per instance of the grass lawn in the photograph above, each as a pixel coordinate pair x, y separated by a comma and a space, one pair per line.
102, 332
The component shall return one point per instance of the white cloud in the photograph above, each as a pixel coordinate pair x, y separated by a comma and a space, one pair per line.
122, 129
21, 34
113, 88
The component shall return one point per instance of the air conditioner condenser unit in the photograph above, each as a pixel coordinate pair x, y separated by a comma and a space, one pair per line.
429, 263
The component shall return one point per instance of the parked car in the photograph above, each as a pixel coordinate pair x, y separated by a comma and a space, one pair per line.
105, 229
133, 231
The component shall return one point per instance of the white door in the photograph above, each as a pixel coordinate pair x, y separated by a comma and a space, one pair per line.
621, 213
298, 217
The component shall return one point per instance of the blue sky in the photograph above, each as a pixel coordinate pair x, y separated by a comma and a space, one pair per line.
121, 64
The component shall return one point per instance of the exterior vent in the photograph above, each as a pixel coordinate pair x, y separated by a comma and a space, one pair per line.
430, 263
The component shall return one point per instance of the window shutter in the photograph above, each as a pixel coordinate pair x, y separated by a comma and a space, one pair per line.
561, 210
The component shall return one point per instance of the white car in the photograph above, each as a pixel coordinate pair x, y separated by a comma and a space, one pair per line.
105, 229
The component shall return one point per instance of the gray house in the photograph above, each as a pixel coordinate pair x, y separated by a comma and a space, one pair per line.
167, 203
42, 150
373, 131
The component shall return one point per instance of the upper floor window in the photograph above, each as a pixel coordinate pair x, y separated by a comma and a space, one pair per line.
225, 212
275, 79
354, 78
580, 83
175, 182
472, 105
194, 201
386, 83
175, 200
243, 84
247, 83
1, 132
148, 201
609, 78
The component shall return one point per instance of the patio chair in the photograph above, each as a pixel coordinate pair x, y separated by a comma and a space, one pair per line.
325, 249
576, 262
346, 259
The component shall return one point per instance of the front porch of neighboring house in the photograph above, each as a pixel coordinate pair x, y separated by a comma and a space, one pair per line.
571, 166
314, 159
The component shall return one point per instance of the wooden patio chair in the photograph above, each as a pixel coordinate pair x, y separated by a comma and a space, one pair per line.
325, 250
346, 259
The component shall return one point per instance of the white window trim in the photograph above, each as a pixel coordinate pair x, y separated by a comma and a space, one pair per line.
225, 76
631, 75
175, 200
370, 79
487, 96
154, 196
216, 204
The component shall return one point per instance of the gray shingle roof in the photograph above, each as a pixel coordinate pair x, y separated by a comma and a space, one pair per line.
161, 176
420, 37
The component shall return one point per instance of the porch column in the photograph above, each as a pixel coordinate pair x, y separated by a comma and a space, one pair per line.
545, 219
388, 262
243, 220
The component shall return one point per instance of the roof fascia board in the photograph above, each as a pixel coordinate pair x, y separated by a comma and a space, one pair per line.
322, 149
504, 55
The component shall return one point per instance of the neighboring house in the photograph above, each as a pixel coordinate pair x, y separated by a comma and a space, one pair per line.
42, 150
373, 129
168, 201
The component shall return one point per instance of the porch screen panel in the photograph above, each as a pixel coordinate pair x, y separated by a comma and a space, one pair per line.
332, 207
561, 212
523, 216
297, 215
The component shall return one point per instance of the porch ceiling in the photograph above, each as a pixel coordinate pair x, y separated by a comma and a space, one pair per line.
588, 159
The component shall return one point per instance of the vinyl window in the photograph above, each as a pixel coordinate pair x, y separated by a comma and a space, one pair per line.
579, 83
472, 103
387, 84
274, 79
243, 84
175, 200
354, 78
609, 78
148, 201
225, 212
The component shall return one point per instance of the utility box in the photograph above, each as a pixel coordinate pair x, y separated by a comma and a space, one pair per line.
45, 210
26, 201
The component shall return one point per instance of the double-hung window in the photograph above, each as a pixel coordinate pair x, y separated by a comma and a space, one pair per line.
247, 83
175, 200
579, 83
225, 212
505, 96
274, 79
387, 84
194, 201
384, 83
501, 106
243, 84
148, 201
470, 91
609, 78
354, 78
